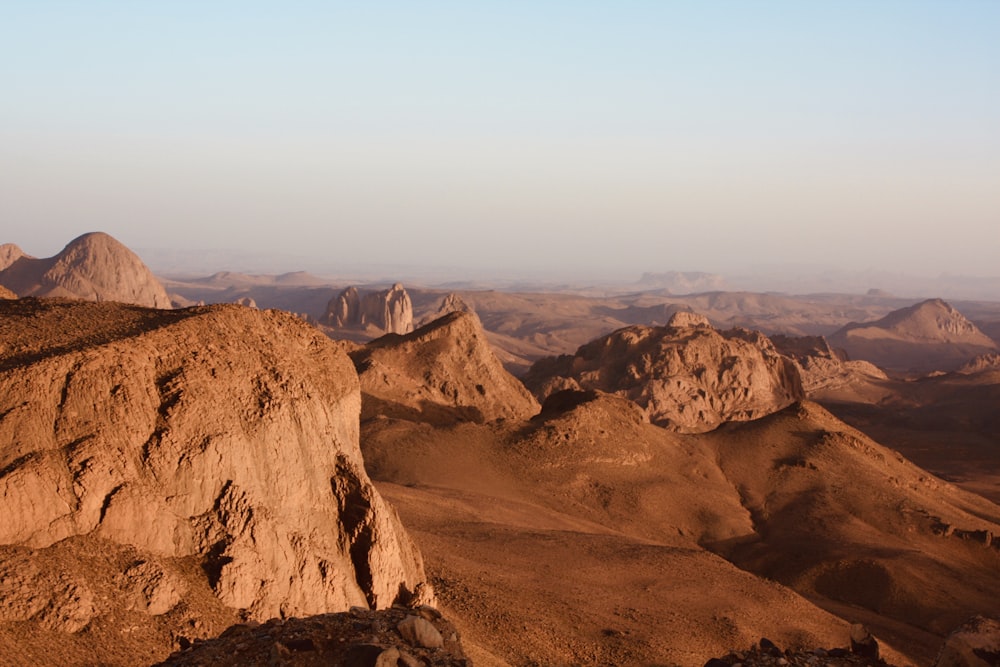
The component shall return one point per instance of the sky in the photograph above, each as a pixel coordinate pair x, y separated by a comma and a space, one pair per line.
585, 139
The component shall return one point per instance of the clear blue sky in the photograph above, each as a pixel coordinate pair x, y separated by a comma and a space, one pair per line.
604, 138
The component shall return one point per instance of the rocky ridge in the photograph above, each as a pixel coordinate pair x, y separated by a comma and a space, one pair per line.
94, 267
218, 446
688, 376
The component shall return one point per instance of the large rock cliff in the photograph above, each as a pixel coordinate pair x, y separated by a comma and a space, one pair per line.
220, 436
389, 311
94, 267
688, 376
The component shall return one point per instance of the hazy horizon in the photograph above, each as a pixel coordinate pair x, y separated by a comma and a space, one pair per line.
562, 139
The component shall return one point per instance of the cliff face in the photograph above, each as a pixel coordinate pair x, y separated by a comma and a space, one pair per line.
222, 435
94, 267
390, 311
688, 376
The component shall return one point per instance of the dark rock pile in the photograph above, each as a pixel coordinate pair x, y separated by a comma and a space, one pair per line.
397, 637
863, 652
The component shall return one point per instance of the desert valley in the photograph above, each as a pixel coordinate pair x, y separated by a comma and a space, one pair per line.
240, 469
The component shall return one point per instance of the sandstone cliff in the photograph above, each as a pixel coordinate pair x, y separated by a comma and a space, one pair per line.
929, 336
94, 267
442, 372
389, 311
688, 376
223, 437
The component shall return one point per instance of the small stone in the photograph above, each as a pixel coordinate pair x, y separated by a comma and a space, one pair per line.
418, 631
388, 658
782, 661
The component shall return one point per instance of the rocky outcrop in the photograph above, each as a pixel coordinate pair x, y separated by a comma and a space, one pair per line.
9, 253
451, 303
928, 336
389, 311
442, 373
223, 437
688, 376
6, 293
395, 637
94, 267
247, 301
975, 644
820, 366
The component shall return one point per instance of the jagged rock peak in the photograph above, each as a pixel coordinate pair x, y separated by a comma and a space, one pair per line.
443, 372
688, 379
93, 267
224, 436
9, 253
451, 303
390, 310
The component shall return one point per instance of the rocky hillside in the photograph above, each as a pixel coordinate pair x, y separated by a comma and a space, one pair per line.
688, 376
194, 461
388, 311
929, 336
441, 373
94, 267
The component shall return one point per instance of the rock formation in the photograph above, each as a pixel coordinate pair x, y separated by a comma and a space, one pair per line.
6, 293
451, 303
218, 446
94, 267
820, 366
688, 376
389, 311
9, 253
929, 336
975, 644
247, 301
442, 372
388, 638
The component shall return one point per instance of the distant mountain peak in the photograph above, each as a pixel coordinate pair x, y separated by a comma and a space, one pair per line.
93, 267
